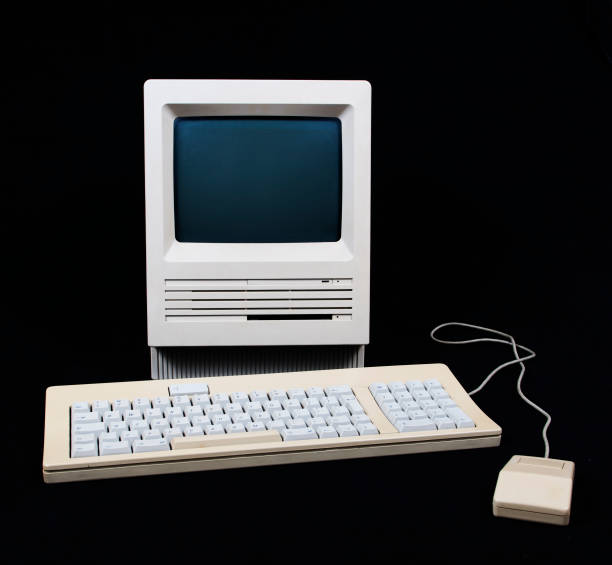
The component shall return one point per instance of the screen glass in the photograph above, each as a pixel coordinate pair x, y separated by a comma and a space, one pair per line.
257, 180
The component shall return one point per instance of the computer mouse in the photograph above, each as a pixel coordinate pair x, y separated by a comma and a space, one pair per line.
537, 489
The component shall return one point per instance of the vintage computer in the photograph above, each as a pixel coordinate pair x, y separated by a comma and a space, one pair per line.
257, 225
258, 229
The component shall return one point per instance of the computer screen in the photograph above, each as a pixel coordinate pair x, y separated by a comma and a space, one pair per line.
257, 179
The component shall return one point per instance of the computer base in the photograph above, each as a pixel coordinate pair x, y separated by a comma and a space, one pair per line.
192, 362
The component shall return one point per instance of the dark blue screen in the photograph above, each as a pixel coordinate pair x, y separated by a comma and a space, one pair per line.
257, 180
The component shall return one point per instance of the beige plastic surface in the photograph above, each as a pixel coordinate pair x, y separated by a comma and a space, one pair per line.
58, 466
535, 489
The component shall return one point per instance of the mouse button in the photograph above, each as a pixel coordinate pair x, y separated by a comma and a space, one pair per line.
538, 461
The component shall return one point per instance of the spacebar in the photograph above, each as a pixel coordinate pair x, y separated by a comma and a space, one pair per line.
226, 439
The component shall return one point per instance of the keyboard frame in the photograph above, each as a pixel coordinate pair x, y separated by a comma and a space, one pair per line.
58, 466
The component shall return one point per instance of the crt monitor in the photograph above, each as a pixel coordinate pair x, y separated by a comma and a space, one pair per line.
258, 224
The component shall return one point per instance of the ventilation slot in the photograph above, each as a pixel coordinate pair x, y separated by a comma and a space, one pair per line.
240, 300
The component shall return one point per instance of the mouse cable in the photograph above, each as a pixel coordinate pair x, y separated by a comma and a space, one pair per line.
515, 347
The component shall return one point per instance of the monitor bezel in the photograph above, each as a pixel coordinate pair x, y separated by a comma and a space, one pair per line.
166, 100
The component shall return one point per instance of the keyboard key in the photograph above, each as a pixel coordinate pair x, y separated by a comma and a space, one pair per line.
402, 395
424, 424
432, 383
251, 407
256, 427
182, 423
107, 436
232, 408
115, 448
316, 423
242, 418
354, 407
272, 406
397, 386
376, 388
417, 414
193, 431
337, 421
278, 394
139, 426
315, 392
222, 420
359, 419
85, 450
188, 389
161, 424
161, 402
85, 418
434, 413
172, 433
213, 410
181, 401
346, 430
141, 404
444, 423
367, 429
464, 422
240, 398
320, 412
398, 417
152, 414
151, 434
259, 417
142, 445
339, 411
95, 428
310, 403
201, 421
415, 385
193, 411
428, 404
129, 437
384, 397
298, 434
446, 403
296, 393
295, 424
283, 415
438, 393
214, 429
79, 408
409, 405
337, 390
132, 415
83, 438
220, 398
389, 407
261, 396
100, 406
300, 413
276, 425
420, 395
235, 428
200, 400
291, 404
325, 432
329, 401
121, 405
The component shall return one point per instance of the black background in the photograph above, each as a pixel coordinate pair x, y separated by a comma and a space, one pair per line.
490, 178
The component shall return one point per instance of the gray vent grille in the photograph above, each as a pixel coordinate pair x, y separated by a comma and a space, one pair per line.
189, 362
237, 300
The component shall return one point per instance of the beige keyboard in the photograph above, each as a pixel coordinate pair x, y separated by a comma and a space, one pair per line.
171, 426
